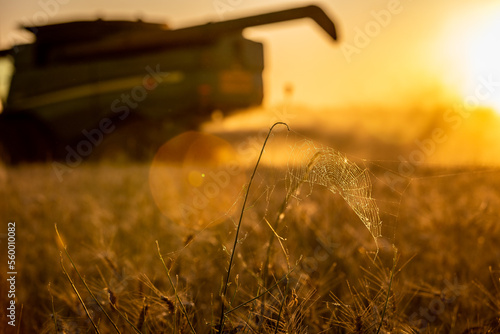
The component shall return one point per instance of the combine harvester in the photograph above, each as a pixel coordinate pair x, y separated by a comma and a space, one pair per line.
80, 81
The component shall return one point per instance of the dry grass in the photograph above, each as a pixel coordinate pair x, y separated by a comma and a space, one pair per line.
323, 280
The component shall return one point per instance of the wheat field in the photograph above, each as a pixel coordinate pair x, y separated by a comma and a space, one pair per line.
322, 275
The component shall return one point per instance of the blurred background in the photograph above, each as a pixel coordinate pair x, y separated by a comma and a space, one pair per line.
171, 121
399, 71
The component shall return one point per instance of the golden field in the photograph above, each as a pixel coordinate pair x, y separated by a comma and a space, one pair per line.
323, 274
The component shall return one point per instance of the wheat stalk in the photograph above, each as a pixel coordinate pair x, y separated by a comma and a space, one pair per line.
222, 316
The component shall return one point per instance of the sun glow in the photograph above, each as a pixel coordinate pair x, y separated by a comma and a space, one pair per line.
476, 53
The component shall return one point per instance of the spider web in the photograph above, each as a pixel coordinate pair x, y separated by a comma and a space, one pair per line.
325, 166
299, 173
308, 198
294, 173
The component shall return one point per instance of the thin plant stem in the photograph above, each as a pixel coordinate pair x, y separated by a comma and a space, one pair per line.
78, 295
83, 281
54, 316
389, 288
281, 306
260, 295
279, 217
222, 316
175, 290
126, 319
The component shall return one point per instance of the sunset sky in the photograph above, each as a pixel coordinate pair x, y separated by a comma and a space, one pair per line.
391, 53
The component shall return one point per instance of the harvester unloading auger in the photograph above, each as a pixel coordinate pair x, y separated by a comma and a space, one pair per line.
80, 81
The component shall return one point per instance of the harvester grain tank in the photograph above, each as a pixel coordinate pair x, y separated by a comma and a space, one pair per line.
83, 80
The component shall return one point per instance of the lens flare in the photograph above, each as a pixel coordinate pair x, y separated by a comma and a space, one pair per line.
195, 178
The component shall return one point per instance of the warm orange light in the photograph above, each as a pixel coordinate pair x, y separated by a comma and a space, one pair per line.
484, 63
195, 179
476, 54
